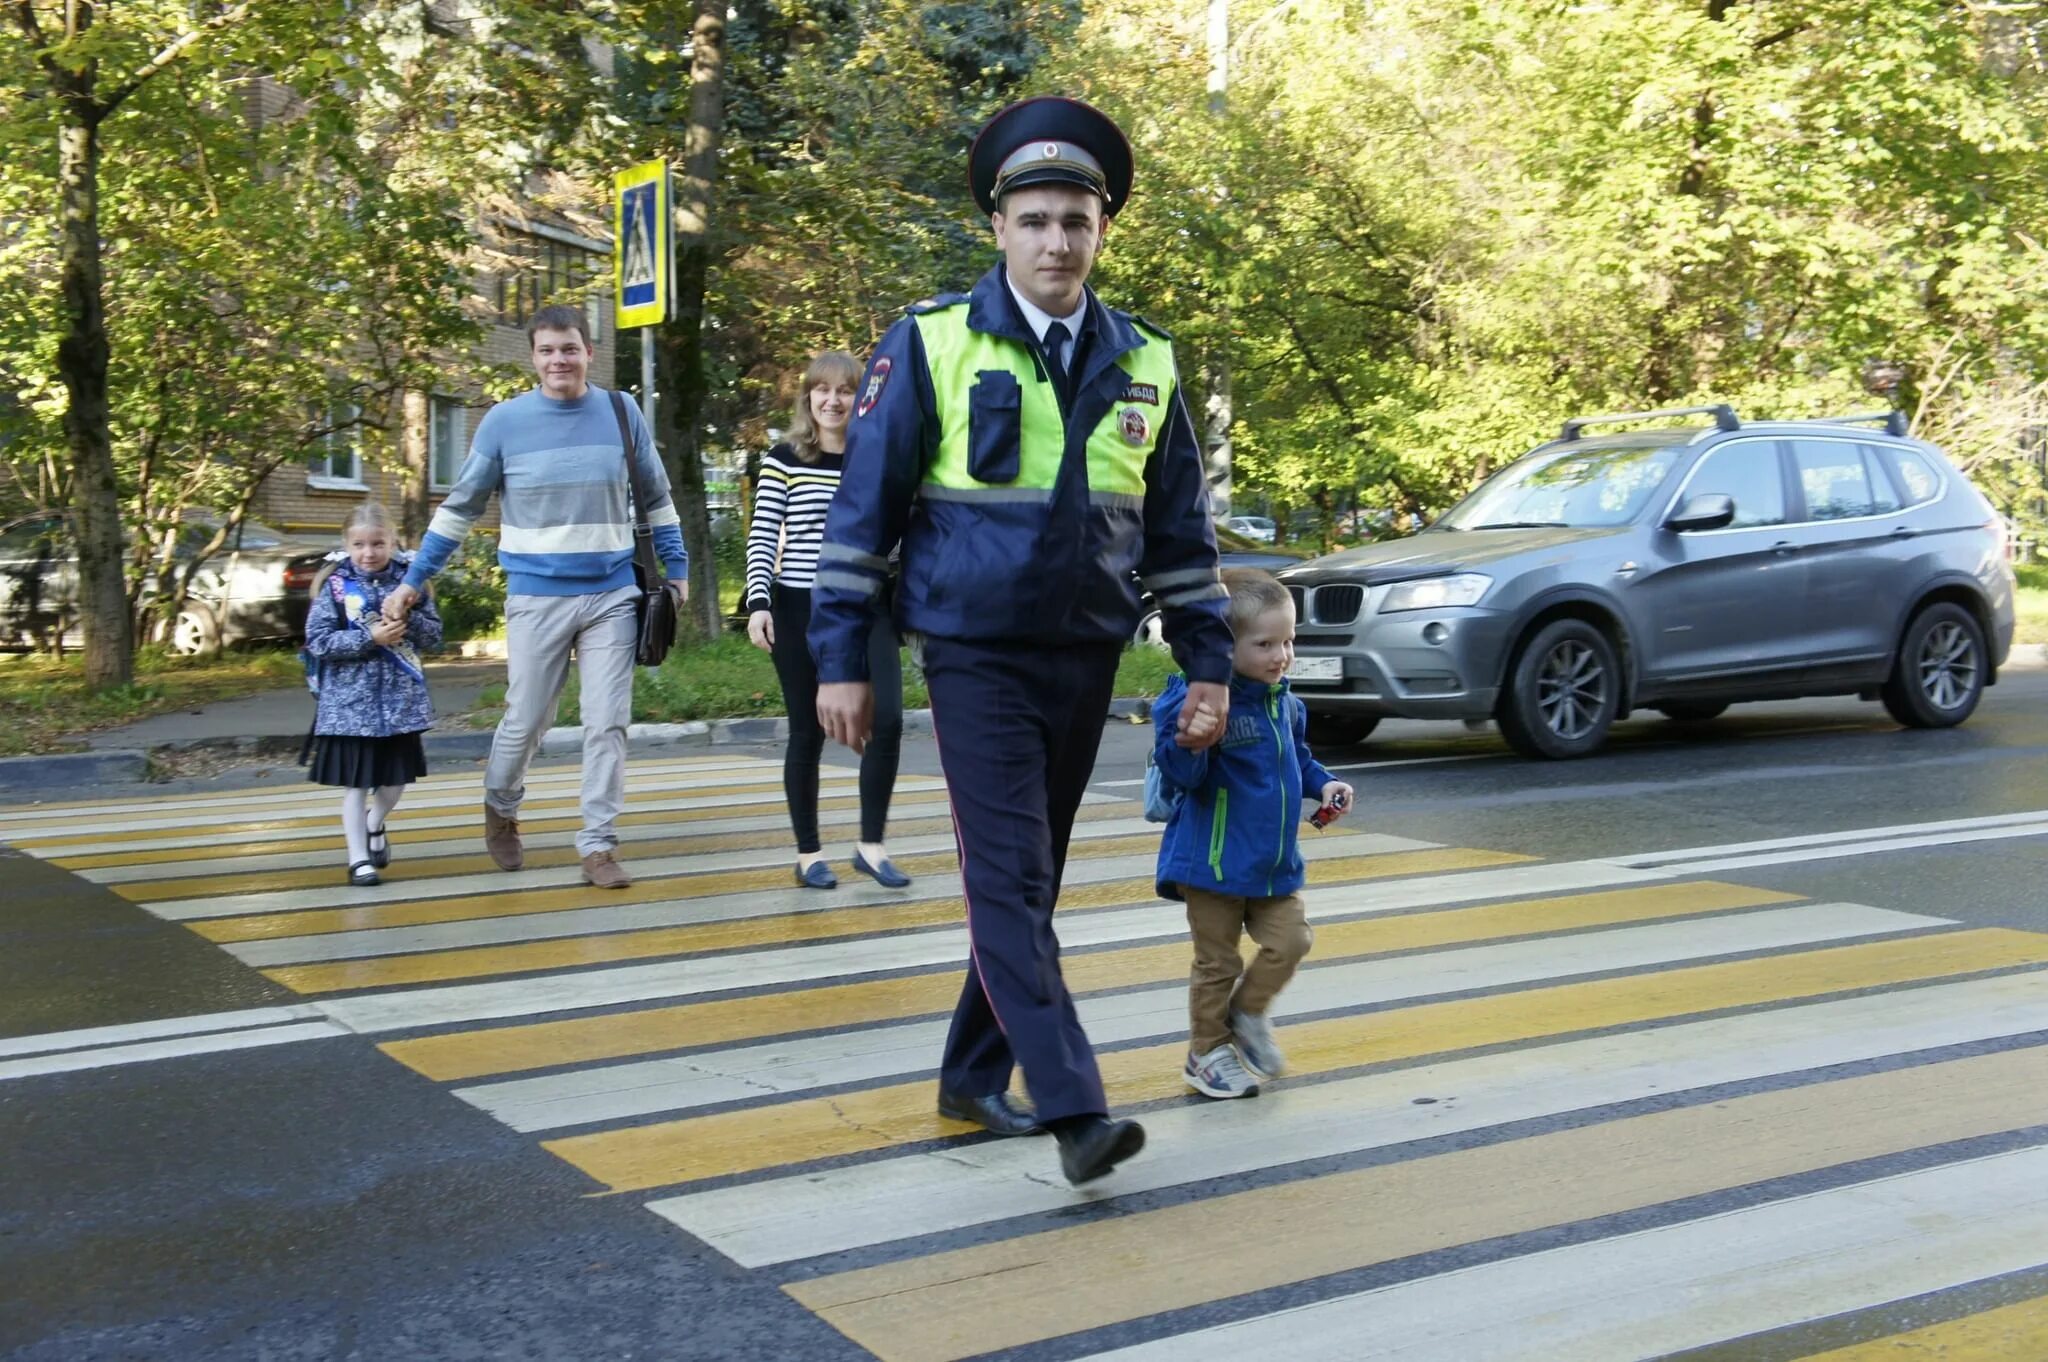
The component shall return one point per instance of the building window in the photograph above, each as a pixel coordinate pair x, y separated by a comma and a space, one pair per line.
444, 442
556, 272
336, 461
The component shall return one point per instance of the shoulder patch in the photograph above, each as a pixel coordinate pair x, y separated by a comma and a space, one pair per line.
936, 304
1154, 328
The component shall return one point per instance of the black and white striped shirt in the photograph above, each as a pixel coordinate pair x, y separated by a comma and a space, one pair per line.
789, 521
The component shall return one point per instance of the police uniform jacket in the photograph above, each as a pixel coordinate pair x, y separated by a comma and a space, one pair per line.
1021, 518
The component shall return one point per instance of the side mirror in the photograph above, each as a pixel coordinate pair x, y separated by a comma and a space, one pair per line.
1706, 511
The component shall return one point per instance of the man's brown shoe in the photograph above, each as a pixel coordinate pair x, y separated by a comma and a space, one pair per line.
501, 839
602, 870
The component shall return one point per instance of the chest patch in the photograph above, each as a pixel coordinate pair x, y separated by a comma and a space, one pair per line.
1141, 392
1135, 425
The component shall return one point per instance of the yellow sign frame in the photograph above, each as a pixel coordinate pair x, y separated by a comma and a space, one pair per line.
642, 235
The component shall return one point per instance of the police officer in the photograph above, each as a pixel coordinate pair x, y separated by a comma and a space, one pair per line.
1031, 450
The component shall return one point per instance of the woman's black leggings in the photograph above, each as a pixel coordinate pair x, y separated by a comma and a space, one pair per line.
791, 607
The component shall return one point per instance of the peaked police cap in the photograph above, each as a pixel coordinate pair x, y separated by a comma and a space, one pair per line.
1050, 140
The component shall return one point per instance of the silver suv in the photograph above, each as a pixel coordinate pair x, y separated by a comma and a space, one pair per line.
1677, 569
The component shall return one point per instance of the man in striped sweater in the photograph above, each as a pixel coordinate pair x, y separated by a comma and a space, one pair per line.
555, 459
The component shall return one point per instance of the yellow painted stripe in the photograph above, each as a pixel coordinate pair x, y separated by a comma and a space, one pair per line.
877, 1118
518, 902
141, 854
1039, 1286
769, 802
540, 1045
788, 929
2006, 1334
405, 868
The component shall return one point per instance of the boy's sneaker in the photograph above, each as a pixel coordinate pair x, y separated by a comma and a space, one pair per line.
1254, 1036
1218, 1074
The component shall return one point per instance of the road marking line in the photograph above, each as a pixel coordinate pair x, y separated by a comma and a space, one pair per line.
838, 1057
805, 1129
164, 1028
138, 1052
1714, 865
860, 1205
837, 954
1645, 860
990, 1297
1679, 1287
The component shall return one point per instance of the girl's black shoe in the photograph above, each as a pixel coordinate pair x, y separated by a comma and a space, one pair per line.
363, 874
380, 848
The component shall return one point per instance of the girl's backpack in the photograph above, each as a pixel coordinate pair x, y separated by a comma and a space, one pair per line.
1161, 798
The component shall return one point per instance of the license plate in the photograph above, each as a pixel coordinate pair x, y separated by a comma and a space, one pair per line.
1316, 669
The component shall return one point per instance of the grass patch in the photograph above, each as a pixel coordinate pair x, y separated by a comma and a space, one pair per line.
732, 679
2031, 603
45, 706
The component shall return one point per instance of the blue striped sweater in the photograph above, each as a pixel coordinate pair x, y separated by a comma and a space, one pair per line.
560, 476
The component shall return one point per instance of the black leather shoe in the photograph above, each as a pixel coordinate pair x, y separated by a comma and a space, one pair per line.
996, 1114
1092, 1145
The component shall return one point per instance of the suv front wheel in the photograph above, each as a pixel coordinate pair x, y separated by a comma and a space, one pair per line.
1939, 675
1562, 694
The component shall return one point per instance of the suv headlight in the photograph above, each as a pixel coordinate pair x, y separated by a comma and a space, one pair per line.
1437, 593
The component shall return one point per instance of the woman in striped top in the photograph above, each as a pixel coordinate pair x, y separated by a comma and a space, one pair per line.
798, 479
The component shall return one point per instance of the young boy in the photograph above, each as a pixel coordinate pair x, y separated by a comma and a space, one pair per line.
1229, 849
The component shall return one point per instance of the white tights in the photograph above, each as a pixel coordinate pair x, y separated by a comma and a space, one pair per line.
362, 810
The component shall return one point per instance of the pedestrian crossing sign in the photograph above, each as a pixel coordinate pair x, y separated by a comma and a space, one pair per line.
640, 245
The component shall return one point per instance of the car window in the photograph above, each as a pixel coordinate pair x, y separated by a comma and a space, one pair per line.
1919, 478
1576, 487
1884, 498
1747, 473
30, 539
1834, 478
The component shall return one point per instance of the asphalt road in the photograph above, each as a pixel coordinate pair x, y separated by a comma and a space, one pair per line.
326, 1198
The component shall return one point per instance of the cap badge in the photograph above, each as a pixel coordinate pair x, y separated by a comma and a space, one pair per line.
1052, 151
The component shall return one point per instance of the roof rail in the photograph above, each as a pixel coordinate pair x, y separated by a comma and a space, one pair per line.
1894, 422
1723, 414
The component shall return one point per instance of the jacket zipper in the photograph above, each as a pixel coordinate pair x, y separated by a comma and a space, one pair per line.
1219, 818
1279, 750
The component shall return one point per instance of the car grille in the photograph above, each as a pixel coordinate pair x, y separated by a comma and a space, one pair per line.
1300, 602
1335, 604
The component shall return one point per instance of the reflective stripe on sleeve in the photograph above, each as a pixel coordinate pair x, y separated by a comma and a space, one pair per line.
932, 491
1160, 581
1218, 592
1123, 501
847, 581
840, 553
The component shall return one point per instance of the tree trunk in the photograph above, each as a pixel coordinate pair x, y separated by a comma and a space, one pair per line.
416, 473
82, 365
679, 355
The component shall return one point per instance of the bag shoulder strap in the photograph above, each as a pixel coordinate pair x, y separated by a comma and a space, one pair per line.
643, 533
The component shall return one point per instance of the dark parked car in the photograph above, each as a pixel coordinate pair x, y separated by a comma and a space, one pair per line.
1232, 550
255, 588
1677, 569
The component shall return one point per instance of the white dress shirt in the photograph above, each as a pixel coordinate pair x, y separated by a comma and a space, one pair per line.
1038, 319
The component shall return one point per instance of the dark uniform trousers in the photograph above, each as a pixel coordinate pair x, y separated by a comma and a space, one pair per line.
1018, 725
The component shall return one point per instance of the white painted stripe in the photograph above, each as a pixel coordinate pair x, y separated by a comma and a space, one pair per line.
156, 1030
1821, 839
488, 931
1677, 1287
1716, 865
1351, 766
647, 868
857, 1055
829, 1210
71, 1061
261, 801
836, 779
602, 537
771, 815
434, 1006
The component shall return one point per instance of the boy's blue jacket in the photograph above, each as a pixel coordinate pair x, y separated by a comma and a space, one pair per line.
1235, 831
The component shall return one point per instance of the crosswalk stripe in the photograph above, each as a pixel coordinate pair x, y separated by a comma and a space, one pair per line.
861, 1205
1676, 1287
985, 1298
840, 1056
754, 1138
831, 955
2002, 1334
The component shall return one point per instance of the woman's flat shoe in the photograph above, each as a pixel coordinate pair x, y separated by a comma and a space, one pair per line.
886, 874
363, 874
818, 876
380, 848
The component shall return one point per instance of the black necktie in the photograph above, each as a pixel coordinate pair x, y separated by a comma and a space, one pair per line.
1055, 345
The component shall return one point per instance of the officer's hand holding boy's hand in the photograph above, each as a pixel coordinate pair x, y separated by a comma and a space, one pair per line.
846, 711
399, 602
1204, 716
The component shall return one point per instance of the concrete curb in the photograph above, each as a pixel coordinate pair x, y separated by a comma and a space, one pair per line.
50, 774
2027, 657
